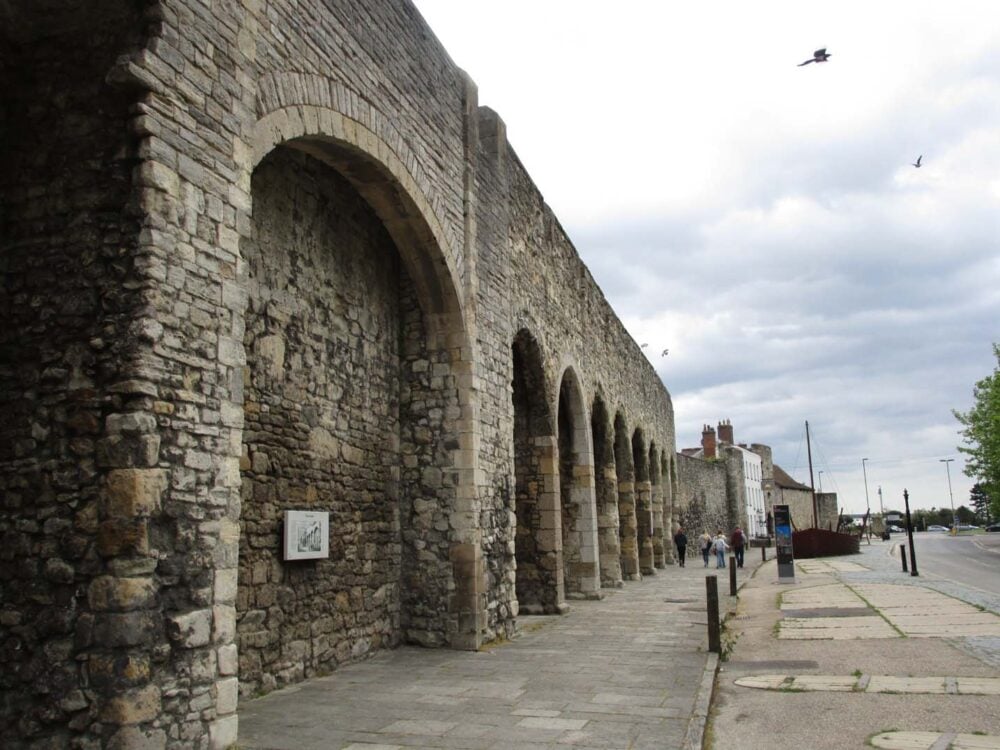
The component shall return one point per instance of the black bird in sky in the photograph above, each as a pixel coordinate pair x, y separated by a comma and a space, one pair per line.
917, 162
820, 55
665, 352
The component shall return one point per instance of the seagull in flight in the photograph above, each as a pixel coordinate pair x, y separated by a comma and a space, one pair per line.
820, 55
665, 352
644, 346
917, 162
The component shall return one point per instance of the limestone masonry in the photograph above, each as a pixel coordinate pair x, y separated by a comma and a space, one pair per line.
268, 256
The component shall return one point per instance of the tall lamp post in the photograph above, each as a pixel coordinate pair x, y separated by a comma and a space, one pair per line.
820, 481
868, 506
954, 519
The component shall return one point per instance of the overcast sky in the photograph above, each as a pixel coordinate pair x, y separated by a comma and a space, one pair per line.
764, 221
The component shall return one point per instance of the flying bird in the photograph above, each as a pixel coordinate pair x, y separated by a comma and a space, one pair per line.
644, 346
820, 55
917, 162
665, 352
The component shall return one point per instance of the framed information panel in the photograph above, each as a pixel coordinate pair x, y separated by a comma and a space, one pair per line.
783, 542
307, 535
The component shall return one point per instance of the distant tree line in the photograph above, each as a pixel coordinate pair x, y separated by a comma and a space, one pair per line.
922, 518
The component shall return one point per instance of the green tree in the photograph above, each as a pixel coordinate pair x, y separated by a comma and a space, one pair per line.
982, 434
981, 502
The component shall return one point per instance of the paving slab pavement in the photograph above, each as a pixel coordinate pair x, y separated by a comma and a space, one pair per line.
846, 693
630, 671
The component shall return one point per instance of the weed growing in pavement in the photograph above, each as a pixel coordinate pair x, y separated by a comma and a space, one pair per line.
875, 609
790, 689
869, 743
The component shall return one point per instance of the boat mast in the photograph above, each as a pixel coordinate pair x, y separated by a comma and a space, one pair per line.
812, 485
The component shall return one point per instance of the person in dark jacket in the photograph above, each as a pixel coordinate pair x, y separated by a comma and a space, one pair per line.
681, 542
738, 542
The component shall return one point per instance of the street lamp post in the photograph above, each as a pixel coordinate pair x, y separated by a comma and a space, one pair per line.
954, 518
868, 506
821, 481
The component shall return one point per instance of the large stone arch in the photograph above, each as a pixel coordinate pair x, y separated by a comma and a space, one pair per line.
627, 529
643, 502
606, 490
578, 507
358, 403
538, 540
381, 177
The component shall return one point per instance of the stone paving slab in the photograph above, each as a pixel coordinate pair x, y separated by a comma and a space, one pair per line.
935, 741
828, 566
836, 628
873, 684
623, 672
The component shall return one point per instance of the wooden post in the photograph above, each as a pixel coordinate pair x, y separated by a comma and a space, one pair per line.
712, 596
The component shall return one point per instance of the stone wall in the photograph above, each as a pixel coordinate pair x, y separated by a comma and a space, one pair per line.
323, 329
78, 449
800, 506
260, 256
702, 498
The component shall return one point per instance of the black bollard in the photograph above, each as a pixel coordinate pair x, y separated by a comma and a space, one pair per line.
732, 576
902, 552
909, 533
763, 554
712, 597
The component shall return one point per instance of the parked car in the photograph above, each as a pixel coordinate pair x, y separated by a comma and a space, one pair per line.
935, 527
966, 527
896, 529
993, 527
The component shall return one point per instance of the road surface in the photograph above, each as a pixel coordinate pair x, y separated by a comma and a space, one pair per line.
970, 559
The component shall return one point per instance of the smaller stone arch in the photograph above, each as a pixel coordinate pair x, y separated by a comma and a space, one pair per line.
539, 584
606, 490
625, 472
578, 505
643, 502
669, 514
656, 498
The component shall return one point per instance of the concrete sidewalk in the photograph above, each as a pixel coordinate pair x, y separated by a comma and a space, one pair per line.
630, 671
857, 654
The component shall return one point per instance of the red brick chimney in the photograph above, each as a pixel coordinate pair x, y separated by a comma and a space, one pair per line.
708, 441
726, 432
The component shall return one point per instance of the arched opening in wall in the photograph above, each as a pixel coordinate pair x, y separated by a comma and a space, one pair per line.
606, 491
656, 498
627, 529
538, 540
643, 503
578, 508
669, 519
340, 429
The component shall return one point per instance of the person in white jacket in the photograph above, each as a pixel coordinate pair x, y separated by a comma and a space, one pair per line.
720, 548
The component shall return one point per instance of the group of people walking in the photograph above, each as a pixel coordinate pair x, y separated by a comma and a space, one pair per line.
716, 545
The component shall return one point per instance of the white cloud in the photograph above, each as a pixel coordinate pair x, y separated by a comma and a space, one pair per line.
762, 220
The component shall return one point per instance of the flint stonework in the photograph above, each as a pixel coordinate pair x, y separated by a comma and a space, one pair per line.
274, 256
